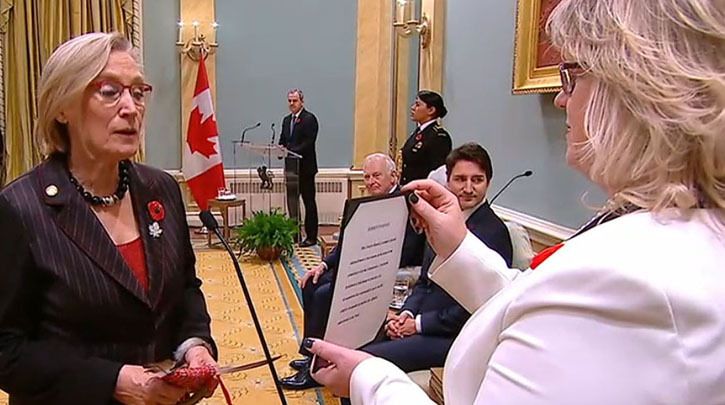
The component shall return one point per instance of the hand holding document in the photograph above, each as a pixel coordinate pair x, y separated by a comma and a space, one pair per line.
370, 249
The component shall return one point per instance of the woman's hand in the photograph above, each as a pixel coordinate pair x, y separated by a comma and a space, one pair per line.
437, 211
199, 356
136, 385
335, 375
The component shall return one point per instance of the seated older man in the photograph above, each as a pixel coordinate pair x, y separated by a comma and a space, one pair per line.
420, 336
380, 177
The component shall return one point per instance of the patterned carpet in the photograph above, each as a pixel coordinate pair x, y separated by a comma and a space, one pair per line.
276, 297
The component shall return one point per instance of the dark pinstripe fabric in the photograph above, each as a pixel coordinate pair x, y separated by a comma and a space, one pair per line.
71, 311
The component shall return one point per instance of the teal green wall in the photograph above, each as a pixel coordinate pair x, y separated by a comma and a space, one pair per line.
265, 48
269, 47
520, 132
161, 67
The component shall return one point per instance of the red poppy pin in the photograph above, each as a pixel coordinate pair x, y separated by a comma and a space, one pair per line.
297, 120
419, 137
156, 210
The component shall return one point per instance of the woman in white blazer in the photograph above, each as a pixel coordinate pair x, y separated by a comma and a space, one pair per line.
631, 311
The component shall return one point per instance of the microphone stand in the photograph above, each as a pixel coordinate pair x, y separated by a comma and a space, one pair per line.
207, 218
269, 164
524, 174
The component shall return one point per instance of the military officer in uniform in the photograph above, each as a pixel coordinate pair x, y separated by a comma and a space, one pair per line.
426, 149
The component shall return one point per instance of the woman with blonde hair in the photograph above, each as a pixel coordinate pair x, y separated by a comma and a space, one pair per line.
98, 274
631, 310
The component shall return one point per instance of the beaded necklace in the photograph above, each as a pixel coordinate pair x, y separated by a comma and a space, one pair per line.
108, 200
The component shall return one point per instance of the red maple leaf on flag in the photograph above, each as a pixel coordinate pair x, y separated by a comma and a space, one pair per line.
202, 132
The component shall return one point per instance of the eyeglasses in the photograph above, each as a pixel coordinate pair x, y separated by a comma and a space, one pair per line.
110, 91
568, 78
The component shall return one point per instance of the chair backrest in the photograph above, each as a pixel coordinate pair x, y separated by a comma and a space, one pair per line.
521, 244
439, 175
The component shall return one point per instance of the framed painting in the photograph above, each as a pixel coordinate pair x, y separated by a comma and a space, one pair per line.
535, 60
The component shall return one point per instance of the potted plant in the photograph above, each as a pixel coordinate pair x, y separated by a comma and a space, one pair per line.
269, 234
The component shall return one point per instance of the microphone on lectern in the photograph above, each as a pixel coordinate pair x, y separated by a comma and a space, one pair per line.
244, 131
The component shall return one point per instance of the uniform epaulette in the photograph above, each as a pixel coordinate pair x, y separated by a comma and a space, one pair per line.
441, 131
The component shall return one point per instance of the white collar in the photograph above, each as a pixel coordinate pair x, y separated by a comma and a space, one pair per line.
426, 124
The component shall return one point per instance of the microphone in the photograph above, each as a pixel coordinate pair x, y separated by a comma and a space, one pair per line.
207, 218
244, 131
273, 133
524, 174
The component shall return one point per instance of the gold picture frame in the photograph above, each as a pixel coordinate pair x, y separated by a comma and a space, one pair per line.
536, 62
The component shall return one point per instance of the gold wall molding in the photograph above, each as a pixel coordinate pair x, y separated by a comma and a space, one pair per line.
5, 6
431, 58
373, 79
402, 50
204, 12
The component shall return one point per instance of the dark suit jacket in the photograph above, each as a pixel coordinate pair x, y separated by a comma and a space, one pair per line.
422, 156
440, 314
71, 311
302, 140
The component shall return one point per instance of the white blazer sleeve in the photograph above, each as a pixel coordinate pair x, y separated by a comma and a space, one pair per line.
473, 273
585, 335
378, 382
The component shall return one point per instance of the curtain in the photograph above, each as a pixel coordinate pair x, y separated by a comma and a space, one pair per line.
34, 29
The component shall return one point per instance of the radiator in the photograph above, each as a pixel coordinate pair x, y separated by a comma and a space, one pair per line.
331, 193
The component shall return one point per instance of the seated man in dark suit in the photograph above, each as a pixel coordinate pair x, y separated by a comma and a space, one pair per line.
420, 336
380, 178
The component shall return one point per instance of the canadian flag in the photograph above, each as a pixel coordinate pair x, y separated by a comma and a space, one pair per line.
202, 161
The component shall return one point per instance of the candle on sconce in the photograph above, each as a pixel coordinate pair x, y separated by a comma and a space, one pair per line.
400, 6
412, 14
181, 28
196, 30
214, 26
407, 10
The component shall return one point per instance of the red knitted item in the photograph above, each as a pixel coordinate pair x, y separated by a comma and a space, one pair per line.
199, 380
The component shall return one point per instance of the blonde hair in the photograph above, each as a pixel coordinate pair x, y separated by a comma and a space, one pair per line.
655, 120
67, 73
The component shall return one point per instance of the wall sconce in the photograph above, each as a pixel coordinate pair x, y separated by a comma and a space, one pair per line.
197, 46
405, 23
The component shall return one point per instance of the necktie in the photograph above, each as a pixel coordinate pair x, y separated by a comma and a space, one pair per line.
292, 124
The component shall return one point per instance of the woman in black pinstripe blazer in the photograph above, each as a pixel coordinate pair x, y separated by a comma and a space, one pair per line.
98, 274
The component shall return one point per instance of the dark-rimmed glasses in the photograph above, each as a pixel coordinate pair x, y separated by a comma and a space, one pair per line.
110, 91
568, 77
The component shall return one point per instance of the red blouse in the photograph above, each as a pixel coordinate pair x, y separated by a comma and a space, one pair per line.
133, 254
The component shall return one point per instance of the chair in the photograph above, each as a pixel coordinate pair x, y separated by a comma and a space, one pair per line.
521, 244
439, 175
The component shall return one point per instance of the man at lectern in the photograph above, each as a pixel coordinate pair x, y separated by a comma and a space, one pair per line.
299, 133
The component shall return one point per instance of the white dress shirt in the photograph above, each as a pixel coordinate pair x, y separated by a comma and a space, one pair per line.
425, 125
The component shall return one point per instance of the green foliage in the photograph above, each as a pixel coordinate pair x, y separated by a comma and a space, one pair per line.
265, 230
